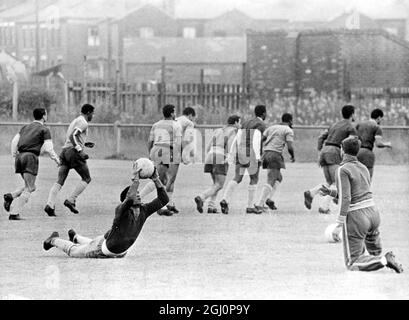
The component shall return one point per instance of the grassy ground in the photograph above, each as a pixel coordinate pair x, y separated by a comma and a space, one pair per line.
280, 255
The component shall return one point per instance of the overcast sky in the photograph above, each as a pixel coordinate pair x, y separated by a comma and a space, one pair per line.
294, 9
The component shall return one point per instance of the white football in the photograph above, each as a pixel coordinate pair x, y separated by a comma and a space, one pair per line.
147, 167
328, 233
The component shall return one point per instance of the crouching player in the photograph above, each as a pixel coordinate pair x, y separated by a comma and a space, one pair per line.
216, 162
358, 216
130, 216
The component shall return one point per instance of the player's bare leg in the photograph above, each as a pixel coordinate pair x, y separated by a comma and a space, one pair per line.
21, 201
164, 178
211, 193
252, 189
70, 203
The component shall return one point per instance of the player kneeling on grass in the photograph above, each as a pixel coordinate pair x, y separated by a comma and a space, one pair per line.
216, 162
358, 217
130, 216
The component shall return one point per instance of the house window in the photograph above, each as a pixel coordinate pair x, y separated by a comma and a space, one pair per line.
189, 33
146, 33
93, 37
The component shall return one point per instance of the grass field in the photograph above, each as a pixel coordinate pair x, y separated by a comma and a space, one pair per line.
280, 255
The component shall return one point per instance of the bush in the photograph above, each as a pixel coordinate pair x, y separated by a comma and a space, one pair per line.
34, 98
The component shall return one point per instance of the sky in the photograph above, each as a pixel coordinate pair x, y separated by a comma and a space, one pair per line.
294, 9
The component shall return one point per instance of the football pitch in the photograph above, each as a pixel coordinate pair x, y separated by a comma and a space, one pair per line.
277, 255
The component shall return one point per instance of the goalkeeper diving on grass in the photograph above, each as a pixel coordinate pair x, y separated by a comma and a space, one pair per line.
130, 216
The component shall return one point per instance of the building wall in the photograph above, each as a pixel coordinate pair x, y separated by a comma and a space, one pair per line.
326, 61
185, 73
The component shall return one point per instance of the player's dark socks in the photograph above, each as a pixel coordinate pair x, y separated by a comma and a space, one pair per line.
71, 235
199, 204
173, 209
165, 212
47, 244
224, 206
50, 211
15, 217
8, 199
70, 205
392, 263
308, 200
270, 203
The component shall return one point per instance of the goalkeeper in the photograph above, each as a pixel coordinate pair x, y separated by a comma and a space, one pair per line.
130, 216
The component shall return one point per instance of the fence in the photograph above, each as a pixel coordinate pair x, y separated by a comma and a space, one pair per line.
130, 141
155, 95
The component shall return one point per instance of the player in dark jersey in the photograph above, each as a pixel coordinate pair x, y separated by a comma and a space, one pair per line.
247, 153
329, 143
370, 134
26, 148
130, 216
358, 216
216, 162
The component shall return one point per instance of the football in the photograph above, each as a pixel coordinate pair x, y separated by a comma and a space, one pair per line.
328, 233
147, 167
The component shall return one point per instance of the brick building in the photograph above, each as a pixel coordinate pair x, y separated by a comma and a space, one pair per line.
326, 61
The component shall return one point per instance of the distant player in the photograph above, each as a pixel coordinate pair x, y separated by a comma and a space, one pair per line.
130, 216
165, 145
358, 217
73, 157
370, 134
216, 162
187, 149
275, 139
329, 143
26, 148
247, 150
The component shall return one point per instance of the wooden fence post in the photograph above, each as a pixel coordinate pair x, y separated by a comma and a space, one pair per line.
117, 133
15, 100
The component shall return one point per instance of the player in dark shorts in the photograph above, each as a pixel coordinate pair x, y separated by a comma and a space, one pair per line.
216, 163
247, 150
370, 134
358, 216
26, 148
329, 143
165, 151
73, 157
130, 216
275, 138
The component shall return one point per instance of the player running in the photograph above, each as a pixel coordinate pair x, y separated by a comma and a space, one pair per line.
130, 216
187, 149
370, 134
329, 143
165, 141
358, 217
73, 157
275, 138
216, 162
26, 148
247, 149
